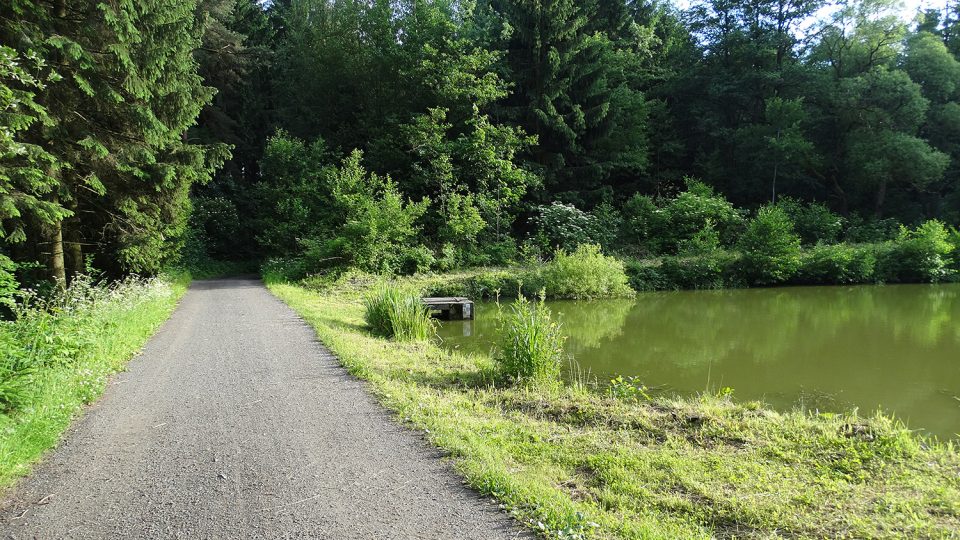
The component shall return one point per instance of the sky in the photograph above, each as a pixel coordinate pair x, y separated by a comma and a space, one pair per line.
908, 11
910, 7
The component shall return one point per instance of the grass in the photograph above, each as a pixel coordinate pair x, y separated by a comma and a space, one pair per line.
58, 355
573, 462
531, 349
397, 312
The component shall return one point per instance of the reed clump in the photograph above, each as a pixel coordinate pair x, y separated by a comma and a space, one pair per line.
398, 313
531, 346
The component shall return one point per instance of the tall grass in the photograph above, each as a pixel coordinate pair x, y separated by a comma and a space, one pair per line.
531, 343
57, 353
399, 313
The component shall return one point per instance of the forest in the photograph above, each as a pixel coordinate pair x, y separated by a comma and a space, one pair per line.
409, 136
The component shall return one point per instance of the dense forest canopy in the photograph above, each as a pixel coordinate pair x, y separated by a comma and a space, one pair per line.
401, 135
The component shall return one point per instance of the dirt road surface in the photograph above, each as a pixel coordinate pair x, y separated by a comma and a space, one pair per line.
235, 423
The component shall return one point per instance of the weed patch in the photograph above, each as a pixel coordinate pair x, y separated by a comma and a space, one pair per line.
57, 354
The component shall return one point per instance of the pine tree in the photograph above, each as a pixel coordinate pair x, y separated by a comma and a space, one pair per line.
128, 92
561, 91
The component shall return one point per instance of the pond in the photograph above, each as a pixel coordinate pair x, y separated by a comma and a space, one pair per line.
890, 348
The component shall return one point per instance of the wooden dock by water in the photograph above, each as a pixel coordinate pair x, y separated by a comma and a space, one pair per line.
451, 308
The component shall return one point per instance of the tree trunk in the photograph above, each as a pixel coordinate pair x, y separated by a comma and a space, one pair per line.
56, 268
881, 198
74, 245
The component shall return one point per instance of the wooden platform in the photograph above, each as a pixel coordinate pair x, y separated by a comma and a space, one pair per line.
452, 308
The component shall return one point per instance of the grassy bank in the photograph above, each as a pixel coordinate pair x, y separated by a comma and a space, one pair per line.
57, 355
576, 462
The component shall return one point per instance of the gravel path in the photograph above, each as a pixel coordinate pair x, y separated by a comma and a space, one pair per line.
236, 423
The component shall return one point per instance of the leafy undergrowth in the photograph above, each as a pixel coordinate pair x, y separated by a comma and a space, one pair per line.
576, 463
58, 354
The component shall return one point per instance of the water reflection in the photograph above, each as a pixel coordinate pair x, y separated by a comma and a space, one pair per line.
892, 347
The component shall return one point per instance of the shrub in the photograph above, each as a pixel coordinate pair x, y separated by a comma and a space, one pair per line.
645, 276
606, 225
282, 269
490, 284
709, 271
918, 255
628, 389
770, 248
871, 231
501, 252
393, 311
531, 343
955, 255
564, 226
705, 242
691, 211
813, 222
378, 222
643, 224
417, 260
585, 273
837, 264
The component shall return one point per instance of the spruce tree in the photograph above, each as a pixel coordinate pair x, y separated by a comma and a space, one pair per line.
128, 92
561, 90
574, 69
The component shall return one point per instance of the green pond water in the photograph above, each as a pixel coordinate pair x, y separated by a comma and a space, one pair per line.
890, 348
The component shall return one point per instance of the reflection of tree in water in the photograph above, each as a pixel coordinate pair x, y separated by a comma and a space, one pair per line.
824, 347
692, 328
590, 324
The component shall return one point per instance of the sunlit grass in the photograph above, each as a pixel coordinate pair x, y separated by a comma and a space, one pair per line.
58, 354
531, 347
576, 462
397, 312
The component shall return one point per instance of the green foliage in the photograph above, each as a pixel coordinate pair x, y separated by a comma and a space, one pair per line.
670, 225
770, 249
493, 283
115, 169
530, 350
628, 389
8, 281
713, 270
584, 273
395, 312
866, 231
837, 264
643, 223
955, 242
572, 90
293, 195
25, 184
564, 226
697, 208
917, 255
704, 242
813, 222
644, 275
58, 352
378, 223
